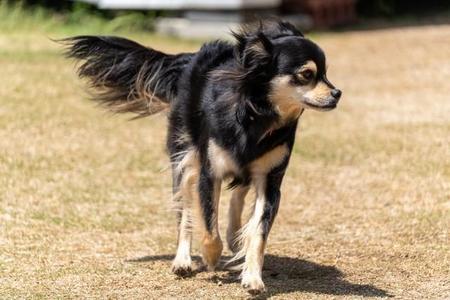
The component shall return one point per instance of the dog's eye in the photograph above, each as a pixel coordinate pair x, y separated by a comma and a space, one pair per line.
307, 75
303, 77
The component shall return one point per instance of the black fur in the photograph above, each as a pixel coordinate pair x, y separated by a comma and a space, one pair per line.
126, 76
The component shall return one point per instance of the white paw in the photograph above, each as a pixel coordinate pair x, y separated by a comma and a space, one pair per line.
252, 283
182, 267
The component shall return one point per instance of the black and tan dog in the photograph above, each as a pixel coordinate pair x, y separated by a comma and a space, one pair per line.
233, 113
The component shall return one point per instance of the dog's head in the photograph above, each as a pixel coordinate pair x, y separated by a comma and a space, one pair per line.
301, 75
292, 69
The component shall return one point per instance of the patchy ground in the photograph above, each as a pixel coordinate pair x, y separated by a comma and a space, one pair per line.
84, 197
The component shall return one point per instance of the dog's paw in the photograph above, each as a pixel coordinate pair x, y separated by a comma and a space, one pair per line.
211, 252
253, 284
210, 266
182, 268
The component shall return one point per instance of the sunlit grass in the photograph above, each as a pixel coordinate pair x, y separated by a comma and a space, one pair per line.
367, 190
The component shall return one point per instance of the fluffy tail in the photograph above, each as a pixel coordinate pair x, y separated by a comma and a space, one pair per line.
125, 76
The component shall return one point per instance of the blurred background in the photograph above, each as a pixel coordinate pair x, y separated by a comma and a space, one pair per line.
210, 18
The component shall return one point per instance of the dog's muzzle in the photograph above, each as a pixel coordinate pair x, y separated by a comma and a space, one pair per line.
333, 100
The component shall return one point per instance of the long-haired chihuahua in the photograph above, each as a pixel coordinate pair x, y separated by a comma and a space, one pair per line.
233, 114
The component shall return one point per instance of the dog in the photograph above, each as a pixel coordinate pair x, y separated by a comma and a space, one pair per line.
233, 114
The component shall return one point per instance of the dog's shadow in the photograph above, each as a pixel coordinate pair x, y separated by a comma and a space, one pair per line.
284, 275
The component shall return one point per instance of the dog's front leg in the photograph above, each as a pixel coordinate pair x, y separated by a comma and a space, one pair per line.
258, 227
209, 194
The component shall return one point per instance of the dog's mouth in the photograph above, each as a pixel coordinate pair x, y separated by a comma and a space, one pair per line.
321, 107
323, 103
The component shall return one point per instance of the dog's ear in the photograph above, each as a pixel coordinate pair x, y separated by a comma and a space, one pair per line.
286, 28
257, 51
253, 48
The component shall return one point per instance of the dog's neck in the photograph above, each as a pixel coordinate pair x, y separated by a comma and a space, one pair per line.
278, 125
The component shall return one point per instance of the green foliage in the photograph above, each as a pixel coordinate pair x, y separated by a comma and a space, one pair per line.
13, 17
133, 21
81, 17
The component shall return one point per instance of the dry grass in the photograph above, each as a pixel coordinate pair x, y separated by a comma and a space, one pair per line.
85, 209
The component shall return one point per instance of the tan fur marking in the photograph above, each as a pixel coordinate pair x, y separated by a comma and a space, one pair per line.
211, 244
287, 97
309, 65
257, 48
212, 247
183, 138
222, 163
319, 93
234, 217
269, 160
189, 167
283, 97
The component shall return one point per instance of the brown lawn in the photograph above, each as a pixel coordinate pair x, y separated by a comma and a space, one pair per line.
85, 197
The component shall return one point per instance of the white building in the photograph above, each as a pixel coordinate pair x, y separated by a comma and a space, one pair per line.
204, 18
186, 4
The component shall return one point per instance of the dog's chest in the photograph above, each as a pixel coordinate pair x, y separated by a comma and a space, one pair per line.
269, 160
223, 164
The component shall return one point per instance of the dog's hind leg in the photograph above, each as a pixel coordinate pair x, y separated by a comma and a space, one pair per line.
182, 264
209, 194
234, 216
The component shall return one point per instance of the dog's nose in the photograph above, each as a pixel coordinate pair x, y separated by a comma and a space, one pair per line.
336, 93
